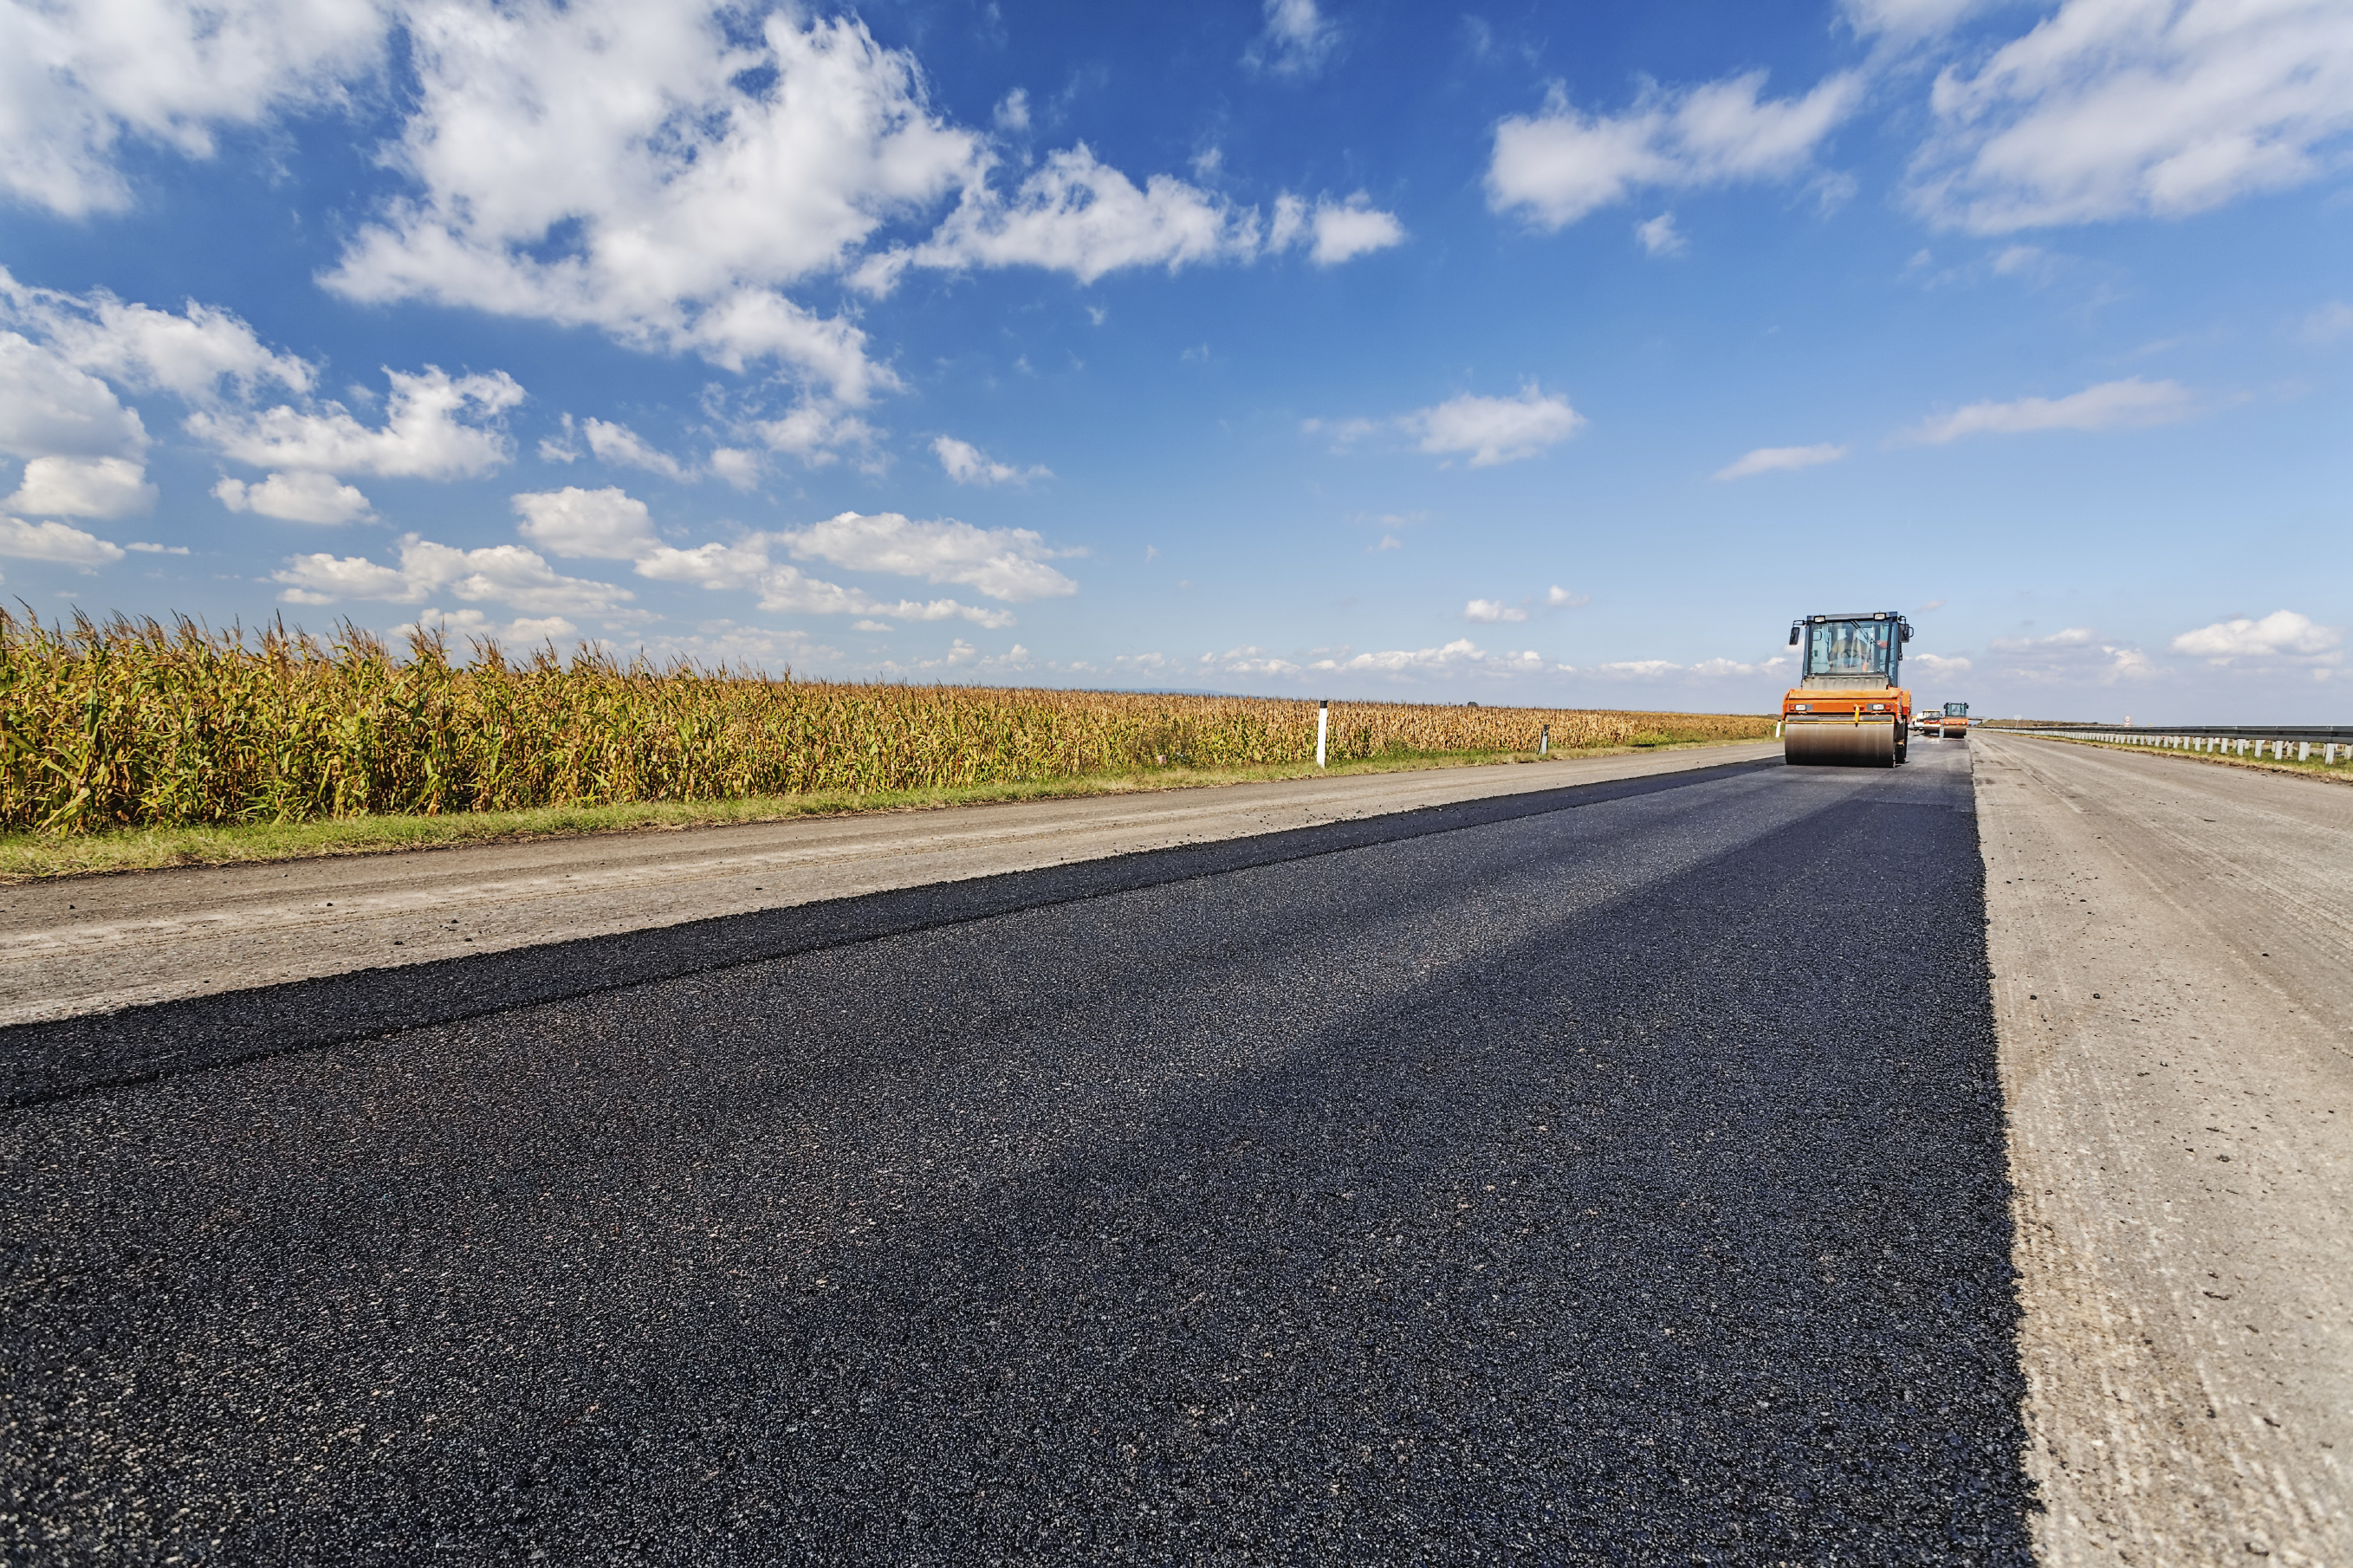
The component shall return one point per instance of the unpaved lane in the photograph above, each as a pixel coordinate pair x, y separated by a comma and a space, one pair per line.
2173, 953
95, 945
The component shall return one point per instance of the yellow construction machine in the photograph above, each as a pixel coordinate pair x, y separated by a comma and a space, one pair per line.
1953, 723
1849, 705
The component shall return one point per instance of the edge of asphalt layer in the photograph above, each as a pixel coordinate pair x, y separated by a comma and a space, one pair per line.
66, 1057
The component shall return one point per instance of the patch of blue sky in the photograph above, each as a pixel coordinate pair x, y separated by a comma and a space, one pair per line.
1558, 355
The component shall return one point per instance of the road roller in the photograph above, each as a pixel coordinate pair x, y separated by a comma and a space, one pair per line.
1849, 706
1954, 723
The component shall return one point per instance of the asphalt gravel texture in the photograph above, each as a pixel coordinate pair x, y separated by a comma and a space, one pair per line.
1618, 1181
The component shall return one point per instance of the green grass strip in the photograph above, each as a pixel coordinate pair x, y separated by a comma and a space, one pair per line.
28, 857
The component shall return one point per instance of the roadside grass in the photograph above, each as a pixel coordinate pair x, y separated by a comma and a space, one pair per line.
2338, 772
29, 857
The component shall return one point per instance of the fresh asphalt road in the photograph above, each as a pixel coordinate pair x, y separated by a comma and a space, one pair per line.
1611, 1174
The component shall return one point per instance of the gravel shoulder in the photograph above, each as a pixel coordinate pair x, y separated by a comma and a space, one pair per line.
2173, 955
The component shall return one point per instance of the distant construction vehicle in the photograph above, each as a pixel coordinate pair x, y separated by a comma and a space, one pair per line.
1849, 705
1953, 723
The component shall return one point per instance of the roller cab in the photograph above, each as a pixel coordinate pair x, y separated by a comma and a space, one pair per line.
1849, 706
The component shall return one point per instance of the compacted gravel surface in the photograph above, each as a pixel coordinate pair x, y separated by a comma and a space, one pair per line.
1613, 1176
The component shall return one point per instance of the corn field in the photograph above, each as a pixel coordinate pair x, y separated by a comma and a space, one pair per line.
132, 723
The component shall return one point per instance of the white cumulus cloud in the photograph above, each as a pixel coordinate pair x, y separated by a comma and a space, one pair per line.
1780, 460
1493, 611
1660, 669
57, 542
1660, 236
670, 174
969, 465
736, 466
1251, 661
1495, 429
713, 565
1078, 215
84, 487
296, 498
2281, 634
473, 626
1007, 563
49, 408
1939, 665
436, 426
787, 589
1461, 654
2110, 406
610, 524
1722, 668
77, 81
1909, 19
1555, 166
500, 574
2070, 656
620, 445
1296, 41
689, 176
1333, 232
2112, 109
815, 432
191, 354
613, 526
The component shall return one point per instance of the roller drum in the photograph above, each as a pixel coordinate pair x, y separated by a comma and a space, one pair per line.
1837, 745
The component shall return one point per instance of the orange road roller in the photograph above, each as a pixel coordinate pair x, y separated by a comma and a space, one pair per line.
1955, 723
1849, 706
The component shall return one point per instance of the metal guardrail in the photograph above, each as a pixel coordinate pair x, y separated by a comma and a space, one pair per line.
2280, 742
2340, 733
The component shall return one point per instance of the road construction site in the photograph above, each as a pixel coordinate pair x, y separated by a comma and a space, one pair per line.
1679, 1157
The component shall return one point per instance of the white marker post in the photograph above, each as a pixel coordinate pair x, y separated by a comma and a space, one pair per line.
1323, 728
1544, 741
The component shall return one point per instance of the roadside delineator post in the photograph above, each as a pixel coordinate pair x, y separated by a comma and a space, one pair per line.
1544, 741
1323, 728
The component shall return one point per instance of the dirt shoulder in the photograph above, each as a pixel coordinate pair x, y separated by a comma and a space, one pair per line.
2338, 772
2173, 988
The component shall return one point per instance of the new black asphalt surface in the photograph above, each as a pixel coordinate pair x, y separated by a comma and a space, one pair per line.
1619, 1178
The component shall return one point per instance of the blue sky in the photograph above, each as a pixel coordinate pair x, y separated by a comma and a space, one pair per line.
1550, 354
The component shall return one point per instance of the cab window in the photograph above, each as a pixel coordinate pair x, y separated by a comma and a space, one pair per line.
1849, 647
